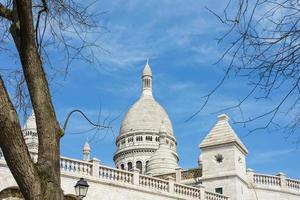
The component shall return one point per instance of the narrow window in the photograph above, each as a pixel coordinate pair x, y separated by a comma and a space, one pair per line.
139, 166
122, 166
146, 168
219, 190
129, 166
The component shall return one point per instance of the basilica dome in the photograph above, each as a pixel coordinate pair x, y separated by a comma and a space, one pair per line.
146, 115
139, 133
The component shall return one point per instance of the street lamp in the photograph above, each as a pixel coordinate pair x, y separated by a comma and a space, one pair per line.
81, 188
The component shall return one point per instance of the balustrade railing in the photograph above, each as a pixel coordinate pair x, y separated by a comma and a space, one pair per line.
75, 166
266, 180
187, 190
79, 167
215, 196
293, 184
153, 183
279, 181
115, 174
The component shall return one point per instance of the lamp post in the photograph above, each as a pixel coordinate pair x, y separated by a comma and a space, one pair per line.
81, 188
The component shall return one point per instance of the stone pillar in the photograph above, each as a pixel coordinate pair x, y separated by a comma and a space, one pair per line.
95, 168
171, 181
282, 177
136, 176
250, 173
202, 193
178, 175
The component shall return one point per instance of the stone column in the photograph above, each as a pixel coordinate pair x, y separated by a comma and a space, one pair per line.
95, 168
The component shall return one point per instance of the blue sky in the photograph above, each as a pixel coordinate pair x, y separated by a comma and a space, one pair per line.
179, 38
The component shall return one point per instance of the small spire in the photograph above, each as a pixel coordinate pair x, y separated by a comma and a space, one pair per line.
86, 151
147, 80
147, 69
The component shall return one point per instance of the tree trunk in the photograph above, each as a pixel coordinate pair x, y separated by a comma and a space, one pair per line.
40, 181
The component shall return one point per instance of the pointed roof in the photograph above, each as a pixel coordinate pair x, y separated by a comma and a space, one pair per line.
86, 146
222, 133
147, 70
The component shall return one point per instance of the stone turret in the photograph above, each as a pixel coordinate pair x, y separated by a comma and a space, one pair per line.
223, 160
86, 151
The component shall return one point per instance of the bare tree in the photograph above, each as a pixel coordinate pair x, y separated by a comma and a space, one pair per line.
262, 43
33, 27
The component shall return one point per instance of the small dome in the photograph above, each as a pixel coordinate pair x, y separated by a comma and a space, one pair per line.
146, 115
86, 146
147, 70
164, 160
30, 123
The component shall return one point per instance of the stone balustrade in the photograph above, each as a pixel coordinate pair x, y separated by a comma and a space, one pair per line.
266, 180
79, 168
187, 191
153, 183
214, 196
117, 175
75, 166
279, 182
293, 184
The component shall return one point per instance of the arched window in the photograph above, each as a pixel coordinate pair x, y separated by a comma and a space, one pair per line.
139, 138
139, 166
129, 166
148, 138
122, 166
130, 139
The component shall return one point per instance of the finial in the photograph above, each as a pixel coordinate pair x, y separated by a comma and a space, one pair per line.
86, 146
147, 61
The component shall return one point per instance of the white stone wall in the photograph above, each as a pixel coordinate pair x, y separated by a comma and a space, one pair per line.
269, 194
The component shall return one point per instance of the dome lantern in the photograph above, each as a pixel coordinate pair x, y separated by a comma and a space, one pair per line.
147, 80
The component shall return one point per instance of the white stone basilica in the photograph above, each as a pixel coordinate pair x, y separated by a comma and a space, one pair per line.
147, 163
146, 140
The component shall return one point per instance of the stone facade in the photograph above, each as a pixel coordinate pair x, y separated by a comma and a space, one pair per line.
153, 173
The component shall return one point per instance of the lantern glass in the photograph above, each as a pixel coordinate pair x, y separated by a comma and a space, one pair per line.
81, 188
